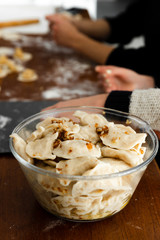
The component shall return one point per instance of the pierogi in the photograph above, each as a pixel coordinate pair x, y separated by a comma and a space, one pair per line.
13, 60
89, 148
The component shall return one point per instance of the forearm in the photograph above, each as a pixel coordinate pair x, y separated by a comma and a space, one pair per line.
97, 52
96, 100
98, 29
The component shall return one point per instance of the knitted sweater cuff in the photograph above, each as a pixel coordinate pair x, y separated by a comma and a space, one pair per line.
146, 105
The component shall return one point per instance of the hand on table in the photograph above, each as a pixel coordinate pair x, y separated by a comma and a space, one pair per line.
97, 100
123, 79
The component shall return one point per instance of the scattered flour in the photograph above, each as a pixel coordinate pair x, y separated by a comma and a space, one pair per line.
134, 226
65, 93
70, 74
4, 121
9, 36
59, 222
48, 44
53, 224
8, 93
6, 51
66, 71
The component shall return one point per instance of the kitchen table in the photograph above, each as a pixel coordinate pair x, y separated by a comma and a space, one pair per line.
63, 74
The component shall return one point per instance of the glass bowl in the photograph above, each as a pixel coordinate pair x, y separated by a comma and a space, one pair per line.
85, 197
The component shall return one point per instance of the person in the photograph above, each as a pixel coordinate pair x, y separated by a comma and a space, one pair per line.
87, 37
117, 78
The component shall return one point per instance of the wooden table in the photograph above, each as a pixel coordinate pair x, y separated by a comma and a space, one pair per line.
21, 217
62, 74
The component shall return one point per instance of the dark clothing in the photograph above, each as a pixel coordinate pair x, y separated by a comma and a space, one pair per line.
119, 100
141, 18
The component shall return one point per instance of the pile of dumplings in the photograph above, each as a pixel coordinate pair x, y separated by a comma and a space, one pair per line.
89, 146
12, 61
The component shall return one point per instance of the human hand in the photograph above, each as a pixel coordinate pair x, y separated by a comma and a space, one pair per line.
64, 32
52, 18
97, 100
123, 79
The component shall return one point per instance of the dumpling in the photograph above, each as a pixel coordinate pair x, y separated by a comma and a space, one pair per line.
122, 137
63, 126
78, 206
90, 118
129, 156
128, 181
87, 132
37, 134
76, 148
98, 187
42, 148
115, 201
27, 75
23, 56
115, 163
51, 184
4, 71
20, 147
75, 166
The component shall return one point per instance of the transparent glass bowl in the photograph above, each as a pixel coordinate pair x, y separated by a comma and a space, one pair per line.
59, 199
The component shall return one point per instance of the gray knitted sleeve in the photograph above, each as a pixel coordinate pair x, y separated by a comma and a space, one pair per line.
146, 105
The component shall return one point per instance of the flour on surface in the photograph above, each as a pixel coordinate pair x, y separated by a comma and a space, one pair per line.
53, 224
4, 121
9, 36
62, 75
66, 93
6, 51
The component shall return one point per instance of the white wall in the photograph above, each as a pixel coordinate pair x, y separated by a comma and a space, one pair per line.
90, 5
11, 10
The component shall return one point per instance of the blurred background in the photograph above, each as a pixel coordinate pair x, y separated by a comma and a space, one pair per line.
22, 9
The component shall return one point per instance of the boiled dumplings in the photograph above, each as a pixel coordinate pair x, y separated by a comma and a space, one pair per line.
90, 147
12, 61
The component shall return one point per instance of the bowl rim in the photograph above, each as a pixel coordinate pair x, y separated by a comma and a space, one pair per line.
42, 171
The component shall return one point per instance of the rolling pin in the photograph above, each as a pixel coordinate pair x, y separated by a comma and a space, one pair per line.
18, 23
